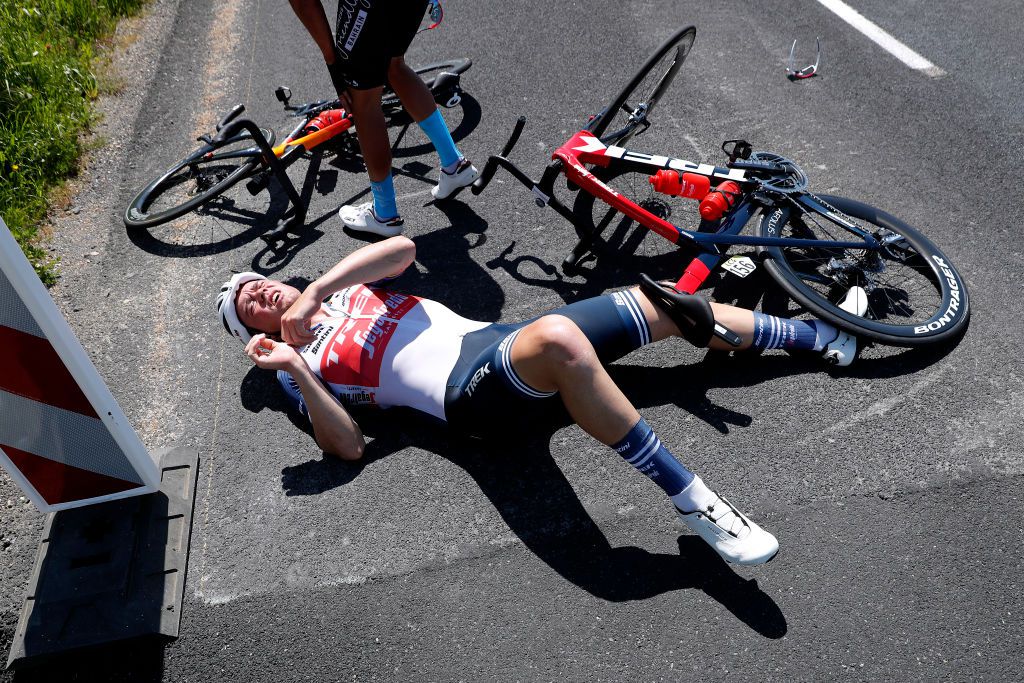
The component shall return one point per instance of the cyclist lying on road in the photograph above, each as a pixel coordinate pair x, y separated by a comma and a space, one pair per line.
365, 345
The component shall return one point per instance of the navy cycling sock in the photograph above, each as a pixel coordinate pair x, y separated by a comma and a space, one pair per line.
771, 332
642, 449
437, 130
385, 205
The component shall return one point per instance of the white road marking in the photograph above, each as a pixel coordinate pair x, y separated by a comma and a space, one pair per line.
877, 409
883, 39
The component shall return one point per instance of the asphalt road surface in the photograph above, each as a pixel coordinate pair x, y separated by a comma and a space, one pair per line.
894, 486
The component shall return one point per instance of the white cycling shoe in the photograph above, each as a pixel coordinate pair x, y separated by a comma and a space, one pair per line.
361, 218
843, 349
730, 533
449, 184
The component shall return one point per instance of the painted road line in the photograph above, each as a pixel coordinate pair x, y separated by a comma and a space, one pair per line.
883, 39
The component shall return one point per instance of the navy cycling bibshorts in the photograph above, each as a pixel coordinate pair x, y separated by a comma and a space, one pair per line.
485, 395
369, 33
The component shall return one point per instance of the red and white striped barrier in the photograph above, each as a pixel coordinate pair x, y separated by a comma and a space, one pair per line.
63, 438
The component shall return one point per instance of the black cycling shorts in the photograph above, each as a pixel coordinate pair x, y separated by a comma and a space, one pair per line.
369, 33
486, 397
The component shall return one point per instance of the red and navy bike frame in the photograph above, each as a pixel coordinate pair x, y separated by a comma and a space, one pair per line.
584, 148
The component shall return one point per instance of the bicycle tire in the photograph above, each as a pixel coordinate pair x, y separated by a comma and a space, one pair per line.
454, 66
635, 96
227, 170
816, 278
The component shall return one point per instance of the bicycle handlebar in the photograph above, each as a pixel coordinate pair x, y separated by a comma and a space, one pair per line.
492, 163
235, 111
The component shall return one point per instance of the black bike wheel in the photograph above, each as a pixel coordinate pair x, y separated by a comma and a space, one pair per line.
628, 113
608, 230
194, 180
915, 294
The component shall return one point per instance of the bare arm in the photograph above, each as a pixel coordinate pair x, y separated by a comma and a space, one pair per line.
311, 14
367, 264
334, 429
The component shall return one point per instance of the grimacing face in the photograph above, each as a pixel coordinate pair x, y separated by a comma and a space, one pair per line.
261, 303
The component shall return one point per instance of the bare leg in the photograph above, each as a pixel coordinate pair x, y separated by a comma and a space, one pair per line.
371, 129
411, 90
553, 354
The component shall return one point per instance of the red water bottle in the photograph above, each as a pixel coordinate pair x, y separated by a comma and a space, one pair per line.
719, 201
689, 185
324, 119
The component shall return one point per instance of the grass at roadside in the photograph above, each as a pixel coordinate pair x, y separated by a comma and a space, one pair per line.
47, 84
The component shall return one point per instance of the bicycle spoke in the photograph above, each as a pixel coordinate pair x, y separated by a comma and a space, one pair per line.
901, 289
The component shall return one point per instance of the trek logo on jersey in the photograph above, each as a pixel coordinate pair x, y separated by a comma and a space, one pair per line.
477, 376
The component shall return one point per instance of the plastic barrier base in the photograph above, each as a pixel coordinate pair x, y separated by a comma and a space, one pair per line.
111, 571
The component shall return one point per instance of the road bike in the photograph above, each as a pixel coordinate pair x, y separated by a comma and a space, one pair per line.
817, 247
240, 149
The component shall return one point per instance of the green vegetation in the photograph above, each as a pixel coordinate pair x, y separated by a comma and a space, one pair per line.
47, 82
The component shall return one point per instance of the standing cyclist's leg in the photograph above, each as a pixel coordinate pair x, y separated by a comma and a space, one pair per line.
379, 217
411, 90
552, 354
360, 72
456, 171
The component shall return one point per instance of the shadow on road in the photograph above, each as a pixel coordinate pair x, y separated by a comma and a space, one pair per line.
140, 659
533, 497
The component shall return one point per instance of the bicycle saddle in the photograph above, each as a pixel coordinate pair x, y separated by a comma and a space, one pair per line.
692, 314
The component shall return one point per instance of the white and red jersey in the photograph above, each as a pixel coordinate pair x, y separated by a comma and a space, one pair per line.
385, 349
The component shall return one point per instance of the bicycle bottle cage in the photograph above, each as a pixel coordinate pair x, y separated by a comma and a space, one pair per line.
691, 313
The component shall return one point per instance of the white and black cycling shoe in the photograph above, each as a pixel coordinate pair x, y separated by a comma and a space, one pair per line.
843, 349
730, 533
448, 184
361, 218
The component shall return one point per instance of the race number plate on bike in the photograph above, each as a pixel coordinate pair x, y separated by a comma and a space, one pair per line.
740, 265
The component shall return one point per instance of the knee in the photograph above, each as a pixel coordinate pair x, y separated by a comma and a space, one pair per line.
561, 341
396, 67
364, 101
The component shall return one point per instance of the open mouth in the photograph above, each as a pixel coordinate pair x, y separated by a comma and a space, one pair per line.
275, 298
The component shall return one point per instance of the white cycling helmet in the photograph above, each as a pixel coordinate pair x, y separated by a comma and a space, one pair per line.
226, 305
